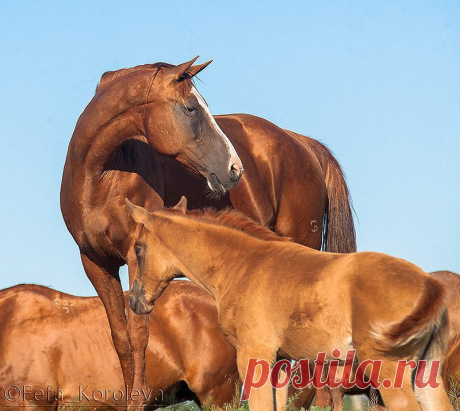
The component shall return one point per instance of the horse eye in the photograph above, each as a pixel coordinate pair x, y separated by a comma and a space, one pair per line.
190, 111
137, 250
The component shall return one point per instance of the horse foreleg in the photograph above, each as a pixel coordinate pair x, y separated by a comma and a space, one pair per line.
281, 394
138, 334
108, 287
260, 398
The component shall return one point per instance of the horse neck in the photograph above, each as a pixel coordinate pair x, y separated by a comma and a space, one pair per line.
113, 117
208, 256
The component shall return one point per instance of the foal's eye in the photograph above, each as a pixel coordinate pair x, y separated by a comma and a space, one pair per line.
137, 250
190, 111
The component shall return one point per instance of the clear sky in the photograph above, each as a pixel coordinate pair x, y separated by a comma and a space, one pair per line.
377, 81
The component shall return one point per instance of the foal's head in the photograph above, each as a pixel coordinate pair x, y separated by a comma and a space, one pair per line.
157, 264
152, 258
176, 121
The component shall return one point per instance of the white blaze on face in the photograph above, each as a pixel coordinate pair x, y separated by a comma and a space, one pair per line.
234, 159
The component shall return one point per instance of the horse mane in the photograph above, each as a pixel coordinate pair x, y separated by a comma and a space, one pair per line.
233, 219
109, 76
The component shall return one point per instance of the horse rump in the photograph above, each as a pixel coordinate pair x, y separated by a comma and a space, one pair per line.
426, 316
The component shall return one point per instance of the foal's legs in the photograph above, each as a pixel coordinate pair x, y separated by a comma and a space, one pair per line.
394, 398
261, 398
281, 394
435, 398
397, 398
108, 287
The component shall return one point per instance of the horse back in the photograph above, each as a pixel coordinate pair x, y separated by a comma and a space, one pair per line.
63, 336
279, 170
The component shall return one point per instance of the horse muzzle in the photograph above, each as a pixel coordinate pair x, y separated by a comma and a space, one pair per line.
220, 187
137, 300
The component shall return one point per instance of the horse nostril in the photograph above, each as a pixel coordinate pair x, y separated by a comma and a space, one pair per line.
235, 172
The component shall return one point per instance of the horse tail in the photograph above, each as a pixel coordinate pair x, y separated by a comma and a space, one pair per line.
425, 318
338, 226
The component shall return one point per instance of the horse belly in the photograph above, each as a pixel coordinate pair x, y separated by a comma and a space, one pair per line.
307, 343
324, 328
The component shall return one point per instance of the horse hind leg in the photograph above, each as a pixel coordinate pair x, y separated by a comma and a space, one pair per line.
403, 398
428, 397
397, 398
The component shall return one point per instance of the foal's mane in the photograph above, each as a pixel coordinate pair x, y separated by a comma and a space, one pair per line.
232, 219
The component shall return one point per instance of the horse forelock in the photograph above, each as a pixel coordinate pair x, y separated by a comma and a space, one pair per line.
231, 219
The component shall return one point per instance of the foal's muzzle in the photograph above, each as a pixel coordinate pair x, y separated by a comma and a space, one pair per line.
137, 300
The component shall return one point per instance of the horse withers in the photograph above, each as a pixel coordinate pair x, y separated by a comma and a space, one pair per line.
271, 301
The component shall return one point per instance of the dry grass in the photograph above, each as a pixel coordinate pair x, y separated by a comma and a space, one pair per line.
454, 391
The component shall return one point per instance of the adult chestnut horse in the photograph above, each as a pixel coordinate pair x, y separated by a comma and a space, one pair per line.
271, 304
60, 344
451, 369
140, 136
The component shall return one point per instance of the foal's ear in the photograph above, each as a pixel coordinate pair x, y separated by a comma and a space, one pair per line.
139, 214
181, 205
179, 72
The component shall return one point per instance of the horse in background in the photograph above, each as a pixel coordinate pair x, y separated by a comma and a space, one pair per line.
272, 305
451, 369
61, 344
148, 135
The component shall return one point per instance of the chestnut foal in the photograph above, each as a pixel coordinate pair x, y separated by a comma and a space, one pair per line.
271, 301
451, 366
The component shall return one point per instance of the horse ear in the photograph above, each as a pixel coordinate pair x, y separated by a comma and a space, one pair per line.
179, 72
181, 205
139, 214
194, 70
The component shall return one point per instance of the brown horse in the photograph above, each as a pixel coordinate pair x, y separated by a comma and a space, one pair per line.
451, 369
141, 128
271, 302
60, 344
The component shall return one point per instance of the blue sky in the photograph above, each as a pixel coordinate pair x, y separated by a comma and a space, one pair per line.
378, 82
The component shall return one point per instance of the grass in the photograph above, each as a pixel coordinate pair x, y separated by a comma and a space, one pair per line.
454, 391
237, 405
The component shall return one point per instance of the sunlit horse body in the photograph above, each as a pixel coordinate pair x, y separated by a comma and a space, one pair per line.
451, 369
271, 302
451, 366
133, 140
60, 344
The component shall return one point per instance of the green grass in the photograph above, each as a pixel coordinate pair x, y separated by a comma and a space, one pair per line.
237, 405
